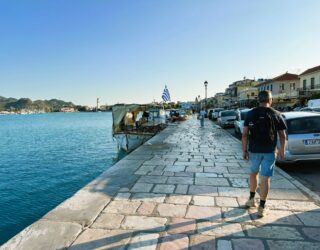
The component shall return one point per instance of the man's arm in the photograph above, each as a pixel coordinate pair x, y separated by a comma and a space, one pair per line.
282, 139
244, 140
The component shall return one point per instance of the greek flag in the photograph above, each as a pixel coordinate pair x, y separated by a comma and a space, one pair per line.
166, 95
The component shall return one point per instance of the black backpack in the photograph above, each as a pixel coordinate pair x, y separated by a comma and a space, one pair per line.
262, 128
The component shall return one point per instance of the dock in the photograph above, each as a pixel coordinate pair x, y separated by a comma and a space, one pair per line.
183, 189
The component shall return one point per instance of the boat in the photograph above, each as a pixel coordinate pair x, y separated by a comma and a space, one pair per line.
134, 124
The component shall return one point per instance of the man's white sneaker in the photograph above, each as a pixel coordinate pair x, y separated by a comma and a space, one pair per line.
251, 203
261, 211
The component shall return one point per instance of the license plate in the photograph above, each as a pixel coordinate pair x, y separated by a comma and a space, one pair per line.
311, 142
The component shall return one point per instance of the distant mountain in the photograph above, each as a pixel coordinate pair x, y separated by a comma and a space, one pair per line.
26, 103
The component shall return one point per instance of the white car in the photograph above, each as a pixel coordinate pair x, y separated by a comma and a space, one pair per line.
239, 122
216, 112
226, 118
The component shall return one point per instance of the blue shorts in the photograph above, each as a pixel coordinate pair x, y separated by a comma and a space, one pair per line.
263, 162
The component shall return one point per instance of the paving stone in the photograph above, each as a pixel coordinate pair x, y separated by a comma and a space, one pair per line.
44, 234
203, 190
194, 169
247, 244
141, 187
217, 170
292, 245
220, 229
181, 226
312, 233
275, 232
144, 241
171, 210
100, 238
122, 196
212, 182
224, 245
202, 212
108, 221
237, 182
210, 175
292, 205
203, 200
153, 179
202, 242
286, 194
222, 162
122, 207
236, 215
309, 218
146, 208
233, 192
181, 189
183, 174
226, 202
235, 176
175, 242
187, 163
282, 183
154, 224
164, 189
168, 173
180, 180
238, 170
179, 199
175, 168
149, 197
278, 217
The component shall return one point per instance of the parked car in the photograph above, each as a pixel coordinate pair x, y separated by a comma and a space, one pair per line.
310, 109
227, 118
239, 122
303, 136
216, 113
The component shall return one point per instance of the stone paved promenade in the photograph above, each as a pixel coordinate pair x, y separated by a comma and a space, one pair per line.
185, 189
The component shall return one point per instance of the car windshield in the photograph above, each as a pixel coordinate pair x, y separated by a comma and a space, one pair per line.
243, 115
228, 113
305, 125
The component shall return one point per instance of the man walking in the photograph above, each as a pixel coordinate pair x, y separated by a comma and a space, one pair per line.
202, 115
262, 125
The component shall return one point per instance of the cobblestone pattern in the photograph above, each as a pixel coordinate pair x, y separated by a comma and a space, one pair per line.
184, 189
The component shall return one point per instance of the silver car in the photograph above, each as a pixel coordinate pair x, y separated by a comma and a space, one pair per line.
227, 118
303, 136
239, 122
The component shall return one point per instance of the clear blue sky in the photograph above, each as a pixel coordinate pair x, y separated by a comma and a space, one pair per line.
126, 51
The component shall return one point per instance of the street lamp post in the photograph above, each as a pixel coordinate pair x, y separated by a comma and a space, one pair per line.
205, 101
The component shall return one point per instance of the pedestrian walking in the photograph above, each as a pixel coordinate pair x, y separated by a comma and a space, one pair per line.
202, 115
261, 127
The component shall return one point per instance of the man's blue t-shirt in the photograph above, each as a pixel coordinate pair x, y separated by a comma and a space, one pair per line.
278, 124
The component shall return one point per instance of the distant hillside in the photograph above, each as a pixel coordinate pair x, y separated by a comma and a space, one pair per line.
26, 103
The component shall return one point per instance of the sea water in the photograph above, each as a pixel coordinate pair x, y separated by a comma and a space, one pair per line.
45, 159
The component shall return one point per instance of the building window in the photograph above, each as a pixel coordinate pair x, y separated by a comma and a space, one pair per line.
304, 84
312, 83
252, 93
281, 87
271, 87
268, 87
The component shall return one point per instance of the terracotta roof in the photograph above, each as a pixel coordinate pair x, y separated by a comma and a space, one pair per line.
286, 77
311, 70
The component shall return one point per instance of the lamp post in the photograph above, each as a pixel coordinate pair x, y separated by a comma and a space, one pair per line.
205, 101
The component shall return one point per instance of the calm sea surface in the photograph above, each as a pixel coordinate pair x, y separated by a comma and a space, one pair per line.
45, 159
